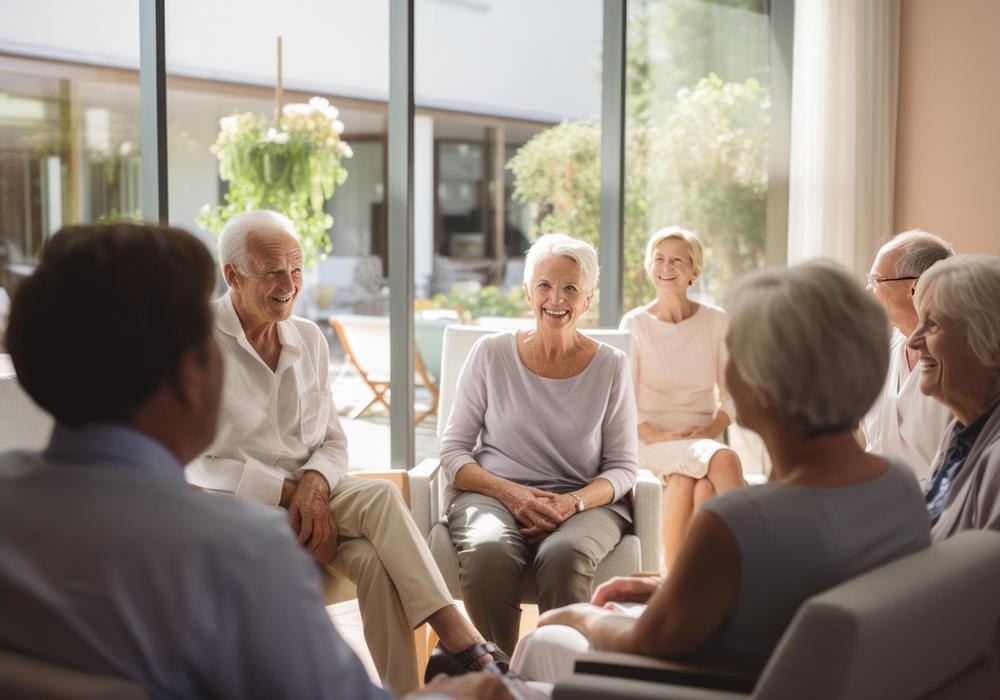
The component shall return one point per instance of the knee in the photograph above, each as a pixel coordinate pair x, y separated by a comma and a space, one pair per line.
382, 492
549, 653
681, 487
488, 560
559, 558
725, 465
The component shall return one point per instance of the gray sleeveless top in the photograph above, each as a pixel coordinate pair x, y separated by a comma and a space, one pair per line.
796, 541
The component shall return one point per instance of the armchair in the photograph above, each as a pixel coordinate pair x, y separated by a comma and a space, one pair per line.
925, 626
638, 550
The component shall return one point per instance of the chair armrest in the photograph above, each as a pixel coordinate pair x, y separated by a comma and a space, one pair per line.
425, 501
582, 686
730, 678
646, 518
395, 476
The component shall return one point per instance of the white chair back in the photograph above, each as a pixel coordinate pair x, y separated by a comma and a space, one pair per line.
458, 341
23, 425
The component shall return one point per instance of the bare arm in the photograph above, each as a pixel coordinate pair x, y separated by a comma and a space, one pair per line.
684, 613
689, 609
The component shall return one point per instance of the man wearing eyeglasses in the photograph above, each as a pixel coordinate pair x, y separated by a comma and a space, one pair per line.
904, 423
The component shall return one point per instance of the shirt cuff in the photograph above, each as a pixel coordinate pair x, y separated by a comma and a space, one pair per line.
622, 479
332, 474
261, 482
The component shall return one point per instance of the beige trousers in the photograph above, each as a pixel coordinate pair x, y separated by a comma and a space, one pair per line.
399, 586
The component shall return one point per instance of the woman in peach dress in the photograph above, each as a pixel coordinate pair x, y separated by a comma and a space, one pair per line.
678, 355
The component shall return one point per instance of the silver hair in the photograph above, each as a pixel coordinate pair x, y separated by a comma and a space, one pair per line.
233, 238
920, 250
966, 288
813, 339
561, 244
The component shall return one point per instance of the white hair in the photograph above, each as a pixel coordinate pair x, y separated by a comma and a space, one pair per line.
561, 244
813, 339
695, 249
233, 238
966, 288
920, 250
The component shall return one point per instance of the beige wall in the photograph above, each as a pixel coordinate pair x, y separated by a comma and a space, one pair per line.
948, 139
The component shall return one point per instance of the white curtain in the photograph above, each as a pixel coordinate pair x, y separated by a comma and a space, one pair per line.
843, 140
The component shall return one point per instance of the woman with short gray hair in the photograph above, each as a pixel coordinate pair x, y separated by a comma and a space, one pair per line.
808, 351
958, 338
539, 453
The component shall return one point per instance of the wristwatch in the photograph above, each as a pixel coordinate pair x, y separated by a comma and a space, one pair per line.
579, 502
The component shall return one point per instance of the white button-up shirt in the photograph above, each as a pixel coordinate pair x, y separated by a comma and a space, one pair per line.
903, 423
273, 425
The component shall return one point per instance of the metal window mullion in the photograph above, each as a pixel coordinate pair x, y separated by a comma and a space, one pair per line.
400, 225
611, 250
782, 29
153, 110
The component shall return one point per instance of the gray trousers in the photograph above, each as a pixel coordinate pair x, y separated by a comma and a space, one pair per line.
493, 558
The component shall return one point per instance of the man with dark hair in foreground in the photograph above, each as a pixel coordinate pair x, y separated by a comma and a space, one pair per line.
109, 561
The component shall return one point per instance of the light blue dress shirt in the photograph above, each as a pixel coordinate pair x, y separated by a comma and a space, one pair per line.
111, 563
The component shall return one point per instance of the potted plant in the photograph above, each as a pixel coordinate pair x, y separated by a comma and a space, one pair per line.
292, 165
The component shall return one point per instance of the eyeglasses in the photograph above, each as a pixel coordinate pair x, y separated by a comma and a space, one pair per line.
873, 281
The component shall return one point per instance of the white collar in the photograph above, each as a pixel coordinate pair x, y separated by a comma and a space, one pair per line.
227, 321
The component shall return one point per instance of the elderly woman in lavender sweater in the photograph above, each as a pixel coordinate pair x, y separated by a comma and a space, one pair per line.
540, 450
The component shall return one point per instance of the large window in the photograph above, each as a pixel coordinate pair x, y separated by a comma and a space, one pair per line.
697, 129
507, 145
497, 83
69, 128
222, 93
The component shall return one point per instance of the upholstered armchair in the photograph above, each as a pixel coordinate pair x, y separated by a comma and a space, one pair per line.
639, 550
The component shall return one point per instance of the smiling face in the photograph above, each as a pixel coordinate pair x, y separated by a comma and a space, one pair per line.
949, 370
556, 294
274, 280
672, 267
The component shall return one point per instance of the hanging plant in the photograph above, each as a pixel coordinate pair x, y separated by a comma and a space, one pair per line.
292, 167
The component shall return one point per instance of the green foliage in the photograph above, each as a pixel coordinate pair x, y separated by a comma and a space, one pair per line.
113, 216
293, 167
703, 168
488, 301
695, 148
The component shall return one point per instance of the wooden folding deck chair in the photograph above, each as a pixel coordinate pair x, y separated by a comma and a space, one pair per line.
365, 340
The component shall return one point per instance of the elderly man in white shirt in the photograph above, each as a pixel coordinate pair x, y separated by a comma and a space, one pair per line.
904, 423
280, 443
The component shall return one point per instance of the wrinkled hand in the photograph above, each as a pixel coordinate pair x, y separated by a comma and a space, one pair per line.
533, 508
466, 687
564, 506
309, 514
578, 615
625, 589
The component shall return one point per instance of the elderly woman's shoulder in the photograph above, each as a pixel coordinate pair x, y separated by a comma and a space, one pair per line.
494, 345
713, 311
614, 359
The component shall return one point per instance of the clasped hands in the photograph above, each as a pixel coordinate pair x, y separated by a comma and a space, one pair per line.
308, 504
691, 432
538, 512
